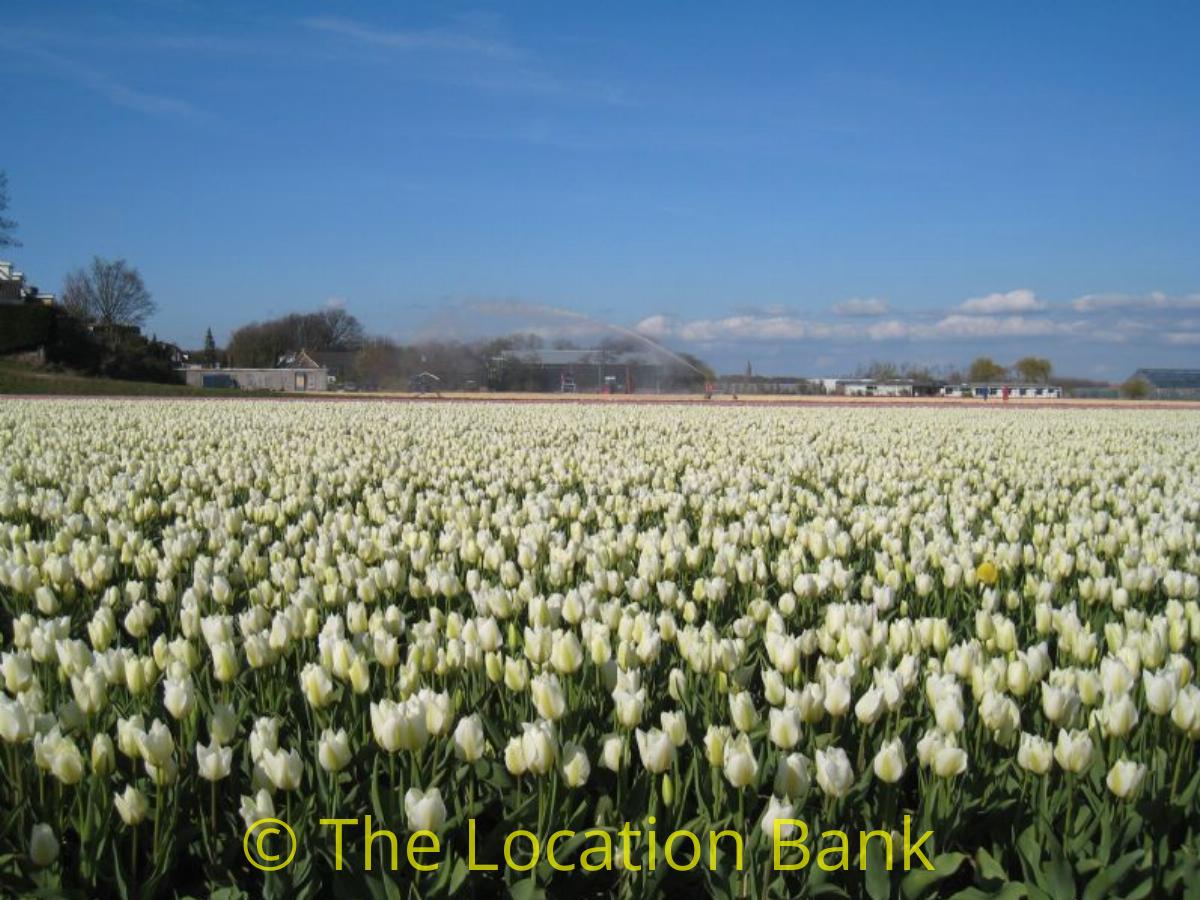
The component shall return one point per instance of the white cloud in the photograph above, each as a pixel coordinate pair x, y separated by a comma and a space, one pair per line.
1014, 315
1184, 338
890, 330
958, 325
1090, 303
654, 327
753, 328
869, 306
1011, 302
789, 328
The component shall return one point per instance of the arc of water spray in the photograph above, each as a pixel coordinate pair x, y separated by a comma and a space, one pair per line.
516, 308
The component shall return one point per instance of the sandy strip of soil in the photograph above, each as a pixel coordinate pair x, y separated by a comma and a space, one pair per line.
722, 400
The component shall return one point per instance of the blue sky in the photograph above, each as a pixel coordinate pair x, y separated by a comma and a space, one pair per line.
811, 186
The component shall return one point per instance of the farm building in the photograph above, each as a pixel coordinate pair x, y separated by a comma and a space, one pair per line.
1003, 390
867, 387
568, 371
341, 365
290, 380
1168, 384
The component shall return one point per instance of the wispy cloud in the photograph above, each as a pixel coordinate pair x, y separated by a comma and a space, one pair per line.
470, 54
870, 306
975, 326
125, 40
1091, 303
434, 39
1018, 301
111, 89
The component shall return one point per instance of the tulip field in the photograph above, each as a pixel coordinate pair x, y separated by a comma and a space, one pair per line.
535, 642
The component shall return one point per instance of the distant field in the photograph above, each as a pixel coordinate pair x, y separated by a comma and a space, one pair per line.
775, 400
22, 380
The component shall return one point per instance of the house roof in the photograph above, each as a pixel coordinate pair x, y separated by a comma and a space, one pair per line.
1170, 378
297, 360
333, 359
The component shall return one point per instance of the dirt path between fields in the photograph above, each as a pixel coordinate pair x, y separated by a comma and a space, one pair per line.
722, 401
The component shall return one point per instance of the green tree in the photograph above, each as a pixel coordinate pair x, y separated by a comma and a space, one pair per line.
985, 368
1135, 389
7, 226
210, 349
1034, 368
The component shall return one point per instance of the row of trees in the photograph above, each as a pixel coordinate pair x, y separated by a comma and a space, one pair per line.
380, 363
1033, 369
261, 344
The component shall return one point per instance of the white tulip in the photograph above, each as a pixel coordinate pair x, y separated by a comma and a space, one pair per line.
333, 750
656, 749
1125, 778
213, 762
424, 810
834, 773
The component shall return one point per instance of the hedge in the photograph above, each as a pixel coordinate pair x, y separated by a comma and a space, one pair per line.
24, 326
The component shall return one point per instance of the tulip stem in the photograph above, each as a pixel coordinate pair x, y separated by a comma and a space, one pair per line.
1070, 809
157, 817
741, 826
1183, 745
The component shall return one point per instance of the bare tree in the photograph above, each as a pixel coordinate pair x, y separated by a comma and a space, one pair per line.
7, 226
110, 292
342, 330
880, 370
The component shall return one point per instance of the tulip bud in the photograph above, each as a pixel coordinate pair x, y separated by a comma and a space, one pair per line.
103, 755
333, 751
889, 762
43, 846
575, 765
612, 752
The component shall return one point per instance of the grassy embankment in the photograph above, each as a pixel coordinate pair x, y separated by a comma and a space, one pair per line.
22, 379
